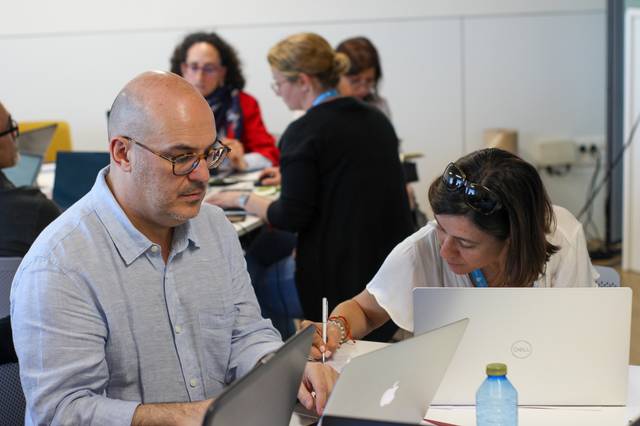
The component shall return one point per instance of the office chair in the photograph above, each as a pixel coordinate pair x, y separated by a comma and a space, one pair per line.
12, 402
75, 175
61, 138
8, 268
609, 277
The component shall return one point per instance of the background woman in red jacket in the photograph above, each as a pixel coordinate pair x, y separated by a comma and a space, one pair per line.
212, 66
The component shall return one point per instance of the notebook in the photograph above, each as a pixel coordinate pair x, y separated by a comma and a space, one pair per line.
393, 385
25, 172
36, 141
562, 346
266, 395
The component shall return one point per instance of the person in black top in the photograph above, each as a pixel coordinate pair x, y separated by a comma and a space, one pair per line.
342, 182
24, 213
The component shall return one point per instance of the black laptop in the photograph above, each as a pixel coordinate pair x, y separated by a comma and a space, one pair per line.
267, 395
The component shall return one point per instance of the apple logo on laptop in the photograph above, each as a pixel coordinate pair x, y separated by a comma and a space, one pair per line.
389, 395
521, 349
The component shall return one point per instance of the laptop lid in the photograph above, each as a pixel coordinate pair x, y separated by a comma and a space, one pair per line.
25, 172
75, 175
36, 141
562, 346
393, 385
267, 394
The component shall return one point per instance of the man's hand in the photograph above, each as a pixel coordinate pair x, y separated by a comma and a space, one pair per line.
178, 414
270, 176
236, 155
224, 199
318, 346
319, 379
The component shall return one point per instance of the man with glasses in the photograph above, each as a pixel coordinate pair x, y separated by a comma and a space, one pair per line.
25, 211
135, 306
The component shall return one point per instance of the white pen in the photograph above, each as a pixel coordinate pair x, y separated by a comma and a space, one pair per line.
325, 313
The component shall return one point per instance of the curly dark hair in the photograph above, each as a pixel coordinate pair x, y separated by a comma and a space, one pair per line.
228, 57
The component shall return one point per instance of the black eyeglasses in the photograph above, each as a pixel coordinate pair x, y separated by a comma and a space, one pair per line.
184, 164
12, 128
478, 197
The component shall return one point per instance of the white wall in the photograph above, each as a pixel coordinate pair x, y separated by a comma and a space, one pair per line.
631, 227
452, 68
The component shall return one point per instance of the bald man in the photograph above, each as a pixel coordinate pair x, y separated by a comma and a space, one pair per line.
135, 307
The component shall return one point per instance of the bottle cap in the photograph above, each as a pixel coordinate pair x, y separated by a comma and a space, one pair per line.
496, 369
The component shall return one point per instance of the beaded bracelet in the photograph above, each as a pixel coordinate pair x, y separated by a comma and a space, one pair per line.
343, 325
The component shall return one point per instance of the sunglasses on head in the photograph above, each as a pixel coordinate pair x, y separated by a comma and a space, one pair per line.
478, 197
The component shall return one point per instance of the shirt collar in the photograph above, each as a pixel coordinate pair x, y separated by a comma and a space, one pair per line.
129, 241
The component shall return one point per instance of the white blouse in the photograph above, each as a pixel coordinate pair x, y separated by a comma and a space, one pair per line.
416, 262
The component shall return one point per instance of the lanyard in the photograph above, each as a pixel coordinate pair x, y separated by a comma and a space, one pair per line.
323, 96
478, 278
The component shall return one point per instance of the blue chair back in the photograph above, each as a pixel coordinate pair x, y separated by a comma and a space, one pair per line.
75, 175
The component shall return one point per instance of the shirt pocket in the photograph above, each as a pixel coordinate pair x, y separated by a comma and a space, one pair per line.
217, 330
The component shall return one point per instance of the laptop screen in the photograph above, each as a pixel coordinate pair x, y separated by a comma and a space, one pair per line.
25, 172
36, 141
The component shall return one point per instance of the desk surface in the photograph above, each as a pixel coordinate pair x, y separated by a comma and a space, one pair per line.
527, 416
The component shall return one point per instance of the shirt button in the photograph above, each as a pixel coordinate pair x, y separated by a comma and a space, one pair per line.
193, 383
177, 329
154, 249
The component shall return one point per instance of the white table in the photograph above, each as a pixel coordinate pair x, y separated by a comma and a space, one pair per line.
527, 416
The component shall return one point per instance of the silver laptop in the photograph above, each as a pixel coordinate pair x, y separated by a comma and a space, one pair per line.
393, 385
562, 346
36, 141
267, 394
25, 172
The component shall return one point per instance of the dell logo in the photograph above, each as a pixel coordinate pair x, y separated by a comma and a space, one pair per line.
521, 349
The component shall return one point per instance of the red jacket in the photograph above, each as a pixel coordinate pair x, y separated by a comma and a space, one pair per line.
255, 137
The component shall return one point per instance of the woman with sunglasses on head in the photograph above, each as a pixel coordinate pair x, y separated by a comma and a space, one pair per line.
349, 209
494, 227
212, 66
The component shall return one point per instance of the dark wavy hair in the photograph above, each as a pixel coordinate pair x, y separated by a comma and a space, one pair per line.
228, 56
525, 218
362, 55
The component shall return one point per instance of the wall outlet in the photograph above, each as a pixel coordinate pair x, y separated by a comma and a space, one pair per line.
561, 152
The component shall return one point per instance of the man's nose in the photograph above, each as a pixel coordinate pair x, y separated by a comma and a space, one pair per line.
200, 173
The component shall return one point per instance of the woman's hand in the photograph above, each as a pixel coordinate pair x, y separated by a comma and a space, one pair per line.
224, 199
270, 176
318, 346
236, 155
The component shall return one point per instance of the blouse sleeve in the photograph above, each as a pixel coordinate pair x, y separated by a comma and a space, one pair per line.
571, 266
255, 137
298, 203
393, 284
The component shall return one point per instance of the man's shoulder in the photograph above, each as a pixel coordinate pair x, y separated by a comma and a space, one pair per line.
75, 227
213, 218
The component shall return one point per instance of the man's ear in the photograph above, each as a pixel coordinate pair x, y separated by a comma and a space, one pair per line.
119, 150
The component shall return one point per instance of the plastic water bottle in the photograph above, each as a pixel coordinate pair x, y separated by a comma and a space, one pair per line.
496, 399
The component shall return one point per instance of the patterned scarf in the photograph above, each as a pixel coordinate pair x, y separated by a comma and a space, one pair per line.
225, 103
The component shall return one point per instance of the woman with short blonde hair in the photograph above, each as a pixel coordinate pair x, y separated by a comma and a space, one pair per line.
346, 216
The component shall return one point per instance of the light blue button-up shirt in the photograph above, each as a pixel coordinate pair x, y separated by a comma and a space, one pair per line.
101, 324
